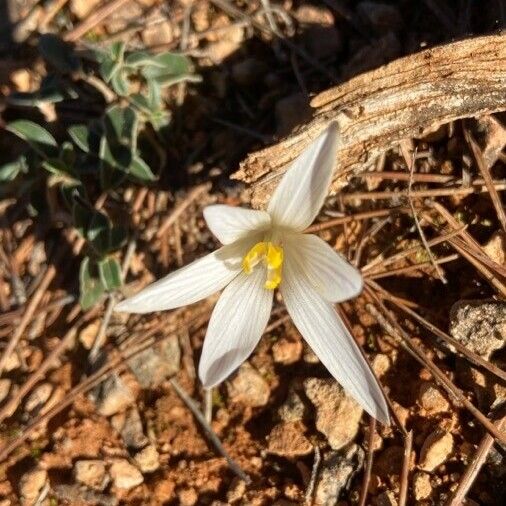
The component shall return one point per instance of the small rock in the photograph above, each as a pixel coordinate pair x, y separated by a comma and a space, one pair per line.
31, 484
91, 473
129, 425
38, 397
89, 333
115, 396
312, 15
248, 387
286, 351
287, 439
148, 459
422, 489
336, 472
292, 409
188, 497
22, 80
337, 415
227, 42
381, 364
480, 326
432, 400
495, 247
436, 449
154, 365
291, 111
236, 492
125, 475
158, 34
12, 362
81, 8
386, 498
5, 386
382, 17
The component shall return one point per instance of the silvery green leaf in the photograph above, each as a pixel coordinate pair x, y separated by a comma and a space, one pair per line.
109, 271
91, 288
58, 53
9, 171
167, 63
141, 170
121, 124
35, 135
139, 59
120, 84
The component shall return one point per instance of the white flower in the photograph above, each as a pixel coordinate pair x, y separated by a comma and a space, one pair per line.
263, 250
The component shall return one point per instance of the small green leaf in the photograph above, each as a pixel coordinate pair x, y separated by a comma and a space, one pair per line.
121, 124
140, 170
58, 53
120, 84
109, 271
57, 167
139, 59
38, 138
167, 64
91, 288
9, 171
79, 134
111, 61
81, 217
154, 94
141, 102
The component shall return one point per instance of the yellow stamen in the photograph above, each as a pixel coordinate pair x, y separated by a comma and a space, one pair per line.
272, 256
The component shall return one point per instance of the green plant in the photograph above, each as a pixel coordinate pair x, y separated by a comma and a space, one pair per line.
105, 150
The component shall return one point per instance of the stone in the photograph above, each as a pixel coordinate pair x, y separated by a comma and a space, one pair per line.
432, 399
154, 365
5, 386
386, 498
337, 414
381, 16
287, 351
21, 79
336, 472
422, 489
125, 475
158, 34
381, 364
92, 473
495, 247
88, 334
129, 425
313, 15
31, 485
38, 397
148, 459
81, 8
115, 396
293, 408
248, 387
436, 450
287, 439
188, 497
479, 325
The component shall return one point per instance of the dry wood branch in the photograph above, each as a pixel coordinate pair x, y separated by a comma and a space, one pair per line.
474, 467
401, 100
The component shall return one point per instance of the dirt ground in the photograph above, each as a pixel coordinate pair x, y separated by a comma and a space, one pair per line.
105, 408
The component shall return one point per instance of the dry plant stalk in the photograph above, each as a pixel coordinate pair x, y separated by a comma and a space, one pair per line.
378, 109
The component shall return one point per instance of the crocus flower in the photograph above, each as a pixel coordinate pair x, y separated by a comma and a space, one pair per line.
265, 250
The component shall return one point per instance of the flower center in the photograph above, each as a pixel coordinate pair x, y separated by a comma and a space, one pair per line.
271, 255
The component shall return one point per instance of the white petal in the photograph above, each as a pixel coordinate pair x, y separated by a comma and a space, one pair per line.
230, 224
300, 194
334, 278
193, 282
320, 325
236, 325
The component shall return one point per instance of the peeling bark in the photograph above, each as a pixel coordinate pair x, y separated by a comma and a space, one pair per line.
400, 100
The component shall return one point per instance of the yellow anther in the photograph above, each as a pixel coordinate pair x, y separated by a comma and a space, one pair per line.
254, 256
272, 256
